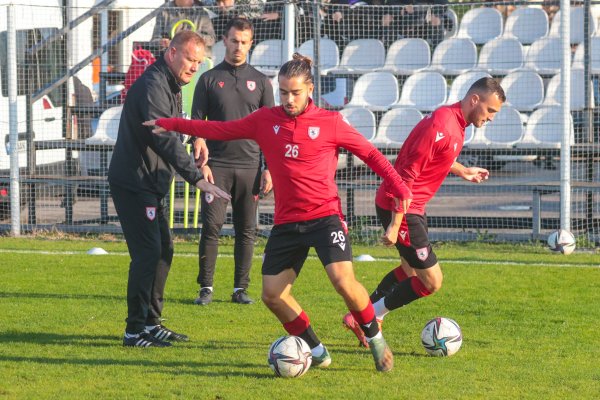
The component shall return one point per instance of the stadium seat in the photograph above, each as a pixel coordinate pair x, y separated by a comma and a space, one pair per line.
361, 56
454, 56
501, 56
395, 126
481, 25
424, 91
375, 90
504, 132
526, 24
544, 129
108, 127
524, 90
577, 91
544, 56
579, 55
454, 18
275, 84
328, 50
267, 57
218, 52
406, 56
576, 25
362, 120
462, 83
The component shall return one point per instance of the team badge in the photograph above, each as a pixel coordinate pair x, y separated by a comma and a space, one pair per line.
209, 198
313, 132
221, 84
151, 213
439, 136
402, 234
276, 129
422, 254
251, 85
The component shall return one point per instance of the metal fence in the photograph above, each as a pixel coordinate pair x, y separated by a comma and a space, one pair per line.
383, 67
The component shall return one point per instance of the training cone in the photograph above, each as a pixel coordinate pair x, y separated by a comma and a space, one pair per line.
97, 251
364, 257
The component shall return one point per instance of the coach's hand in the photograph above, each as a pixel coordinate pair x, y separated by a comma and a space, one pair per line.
209, 188
207, 174
200, 153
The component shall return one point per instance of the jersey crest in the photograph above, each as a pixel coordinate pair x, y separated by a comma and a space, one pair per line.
313, 132
276, 129
422, 253
439, 136
251, 85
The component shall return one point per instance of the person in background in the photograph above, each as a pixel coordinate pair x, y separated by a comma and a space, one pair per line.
140, 174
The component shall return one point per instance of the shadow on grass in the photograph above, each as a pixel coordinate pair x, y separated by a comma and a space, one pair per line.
58, 338
64, 296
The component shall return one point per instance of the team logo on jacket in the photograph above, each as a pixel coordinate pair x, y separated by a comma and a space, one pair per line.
422, 254
251, 85
313, 132
221, 84
439, 136
209, 198
151, 213
276, 129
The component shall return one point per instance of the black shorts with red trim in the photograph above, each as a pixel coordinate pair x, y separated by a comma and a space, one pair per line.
288, 244
413, 242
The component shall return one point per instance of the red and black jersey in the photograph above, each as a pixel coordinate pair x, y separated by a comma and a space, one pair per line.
302, 153
426, 156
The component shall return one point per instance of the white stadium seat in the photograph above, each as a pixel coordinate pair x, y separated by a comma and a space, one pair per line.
267, 57
218, 52
579, 55
544, 56
524, 90
328, 50
526, 24
361, 56
108, 127
576, 25
275, 84
577, 91
377, 91
501, 56
424, 91
481, 25
504, 132
462, 83
395, 126
544, 129
362, 119
406, 56
454, 56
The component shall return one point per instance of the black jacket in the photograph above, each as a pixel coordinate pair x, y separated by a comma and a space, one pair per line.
141, 160
227, 93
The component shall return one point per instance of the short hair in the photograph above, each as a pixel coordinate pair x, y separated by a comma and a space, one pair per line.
485, 86
240, 24
183, 37
299, 65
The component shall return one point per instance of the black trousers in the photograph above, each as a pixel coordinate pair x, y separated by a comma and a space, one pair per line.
145, 224
243, 185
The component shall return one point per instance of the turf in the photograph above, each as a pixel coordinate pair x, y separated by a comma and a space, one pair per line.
528, 319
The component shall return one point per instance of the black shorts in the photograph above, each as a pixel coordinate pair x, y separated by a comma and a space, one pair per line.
289, 244
413, 242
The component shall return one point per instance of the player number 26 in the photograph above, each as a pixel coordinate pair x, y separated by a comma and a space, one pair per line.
291, 150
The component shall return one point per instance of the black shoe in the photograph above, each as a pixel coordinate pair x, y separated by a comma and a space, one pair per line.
241, 297
163, 333
144, 339
204, 297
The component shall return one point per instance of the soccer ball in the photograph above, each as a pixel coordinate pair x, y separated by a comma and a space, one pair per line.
441, 337
562, 241
289, 357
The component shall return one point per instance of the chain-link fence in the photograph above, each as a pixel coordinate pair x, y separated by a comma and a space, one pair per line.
383, 66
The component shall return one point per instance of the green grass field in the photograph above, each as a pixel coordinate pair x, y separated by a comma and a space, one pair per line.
529, 320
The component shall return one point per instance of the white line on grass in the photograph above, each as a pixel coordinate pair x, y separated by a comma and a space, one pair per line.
190, 255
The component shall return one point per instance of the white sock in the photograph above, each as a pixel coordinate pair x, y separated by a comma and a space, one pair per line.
131, 335
237, 288
207, 287
380, 309
150, 327
378, 336
318, 351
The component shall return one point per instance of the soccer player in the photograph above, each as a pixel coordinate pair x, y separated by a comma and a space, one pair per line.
231, 90
300, 142
428, 154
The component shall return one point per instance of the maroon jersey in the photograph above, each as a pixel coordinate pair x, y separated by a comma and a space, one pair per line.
302, 154
427, 155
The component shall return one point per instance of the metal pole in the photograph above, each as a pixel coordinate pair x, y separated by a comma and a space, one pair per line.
289, 43
15, 198
317, 51
565, 95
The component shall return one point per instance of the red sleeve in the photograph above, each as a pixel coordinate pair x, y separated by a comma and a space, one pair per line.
418, 154
244, 128
351, 140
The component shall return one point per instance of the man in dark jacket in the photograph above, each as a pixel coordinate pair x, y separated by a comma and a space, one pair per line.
140, 173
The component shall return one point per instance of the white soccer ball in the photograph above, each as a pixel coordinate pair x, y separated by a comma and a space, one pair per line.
289, 357
441, 337
562, 241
